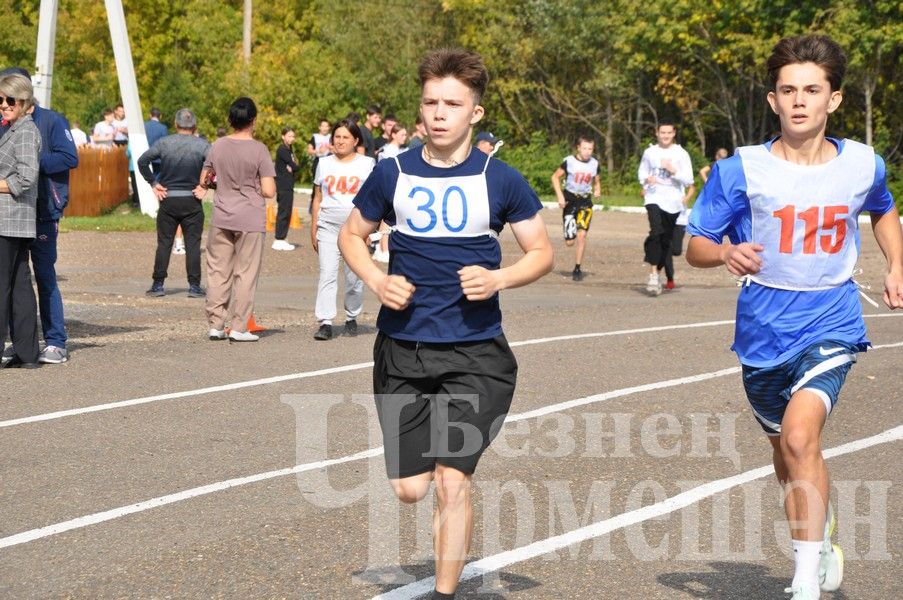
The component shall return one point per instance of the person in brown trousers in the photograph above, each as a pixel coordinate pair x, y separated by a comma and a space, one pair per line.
245, 176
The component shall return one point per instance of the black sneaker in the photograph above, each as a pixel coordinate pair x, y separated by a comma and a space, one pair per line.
324, 333
196, 291
16, 363
351, 328
577, 275
156, 290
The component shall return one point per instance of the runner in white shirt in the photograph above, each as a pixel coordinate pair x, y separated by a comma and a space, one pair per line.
338, 179
666, 175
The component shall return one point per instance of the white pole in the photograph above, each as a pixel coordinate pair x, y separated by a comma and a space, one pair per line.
43, 71
128, 87
246, 32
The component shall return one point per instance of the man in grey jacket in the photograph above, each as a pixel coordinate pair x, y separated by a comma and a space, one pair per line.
181, 157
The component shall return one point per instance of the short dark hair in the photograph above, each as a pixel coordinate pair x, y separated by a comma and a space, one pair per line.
353, 116
818, 49
351, 126
374, 109
287, 129
155, 113
106, 111
666, 122
464, 65
15, 71
242, 113
585, 138
390, 117
325, 121
221, 132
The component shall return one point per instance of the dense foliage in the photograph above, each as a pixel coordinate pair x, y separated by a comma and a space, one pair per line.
559, 67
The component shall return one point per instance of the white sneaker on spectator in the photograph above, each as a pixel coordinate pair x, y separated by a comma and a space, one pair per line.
282, 245
179, 247
242, 336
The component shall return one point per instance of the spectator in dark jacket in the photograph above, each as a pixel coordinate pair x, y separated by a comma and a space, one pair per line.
181, 158
57, 157
286, 172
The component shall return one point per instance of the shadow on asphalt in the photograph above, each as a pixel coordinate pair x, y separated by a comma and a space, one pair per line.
493, 587
731, 580
83, 329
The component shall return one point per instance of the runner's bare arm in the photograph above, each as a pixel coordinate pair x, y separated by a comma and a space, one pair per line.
556, 185
741, 259
890, 239
393, 291
480, 283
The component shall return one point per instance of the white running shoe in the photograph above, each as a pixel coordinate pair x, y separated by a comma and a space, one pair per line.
242, 336
216, 334
830, 566
654, 285
802, 593
179, 247
282, 245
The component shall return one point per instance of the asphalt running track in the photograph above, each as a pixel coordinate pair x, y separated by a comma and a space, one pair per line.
157, 464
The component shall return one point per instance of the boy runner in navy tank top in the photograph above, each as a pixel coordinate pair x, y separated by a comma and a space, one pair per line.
443, 373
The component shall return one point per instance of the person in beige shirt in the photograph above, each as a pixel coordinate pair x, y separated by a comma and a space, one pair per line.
242, 171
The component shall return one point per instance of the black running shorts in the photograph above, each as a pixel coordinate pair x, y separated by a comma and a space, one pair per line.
440, 403
577, 214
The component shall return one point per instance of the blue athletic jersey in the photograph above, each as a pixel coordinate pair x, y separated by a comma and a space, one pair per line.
445, 219
774, 324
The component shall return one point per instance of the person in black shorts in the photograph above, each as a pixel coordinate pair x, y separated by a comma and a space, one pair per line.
581, 172
443, 372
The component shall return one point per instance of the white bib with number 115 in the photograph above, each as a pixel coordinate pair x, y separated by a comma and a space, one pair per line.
806, 216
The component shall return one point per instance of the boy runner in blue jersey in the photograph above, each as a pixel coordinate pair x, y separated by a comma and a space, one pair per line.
790, 208
443, 373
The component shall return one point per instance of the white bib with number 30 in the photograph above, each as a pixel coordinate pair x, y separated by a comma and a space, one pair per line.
442, 206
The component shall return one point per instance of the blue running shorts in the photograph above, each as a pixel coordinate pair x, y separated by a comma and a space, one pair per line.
821, 368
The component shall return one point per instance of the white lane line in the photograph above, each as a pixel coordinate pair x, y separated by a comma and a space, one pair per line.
563, 338
308, 374
503, 559
186, 394
34, 534
331, 371
638, 389
115, 513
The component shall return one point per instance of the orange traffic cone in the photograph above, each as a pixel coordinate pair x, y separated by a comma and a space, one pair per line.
295, 221
253, 326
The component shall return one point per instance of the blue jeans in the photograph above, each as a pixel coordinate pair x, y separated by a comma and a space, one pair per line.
50, 301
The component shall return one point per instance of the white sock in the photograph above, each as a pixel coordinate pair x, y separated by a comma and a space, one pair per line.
806, 556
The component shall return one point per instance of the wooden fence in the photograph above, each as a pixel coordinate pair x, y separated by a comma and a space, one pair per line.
100, 182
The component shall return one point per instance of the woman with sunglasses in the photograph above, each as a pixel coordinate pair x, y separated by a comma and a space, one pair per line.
19, 148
